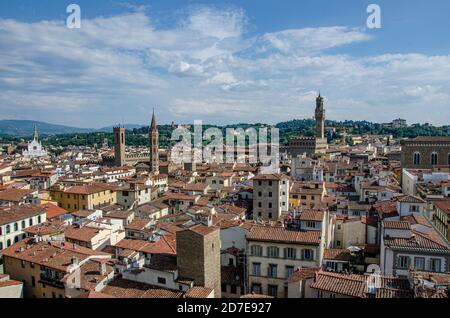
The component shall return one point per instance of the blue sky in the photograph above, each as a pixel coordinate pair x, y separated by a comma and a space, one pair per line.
223, 61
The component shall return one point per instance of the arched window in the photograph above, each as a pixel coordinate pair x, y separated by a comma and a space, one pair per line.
434, 159
16, 239
417, 158
8, 243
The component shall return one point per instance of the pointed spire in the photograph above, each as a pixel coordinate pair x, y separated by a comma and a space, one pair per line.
36, 134
153, 126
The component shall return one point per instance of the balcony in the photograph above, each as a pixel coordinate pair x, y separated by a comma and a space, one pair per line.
54, 282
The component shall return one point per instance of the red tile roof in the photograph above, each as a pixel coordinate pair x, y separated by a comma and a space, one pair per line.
279, 234
303, 273
336, 254
354, 285
53, 211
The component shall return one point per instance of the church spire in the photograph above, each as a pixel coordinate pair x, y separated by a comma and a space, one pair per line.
36, 134
154, 146
154, 126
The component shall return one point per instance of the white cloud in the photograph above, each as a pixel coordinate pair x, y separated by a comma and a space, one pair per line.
309, 40
207, 67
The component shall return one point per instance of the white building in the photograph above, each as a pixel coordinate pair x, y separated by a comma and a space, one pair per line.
35, 148
410, 178
412, 243
13, 221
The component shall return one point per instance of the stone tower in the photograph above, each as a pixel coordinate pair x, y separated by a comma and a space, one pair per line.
119, 146
320, 117
154, 146
198, 256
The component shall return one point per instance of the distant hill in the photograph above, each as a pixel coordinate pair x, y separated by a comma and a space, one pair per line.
23, 128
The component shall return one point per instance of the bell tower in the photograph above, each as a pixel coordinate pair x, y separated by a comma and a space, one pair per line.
119, 146
320, 117
154, 146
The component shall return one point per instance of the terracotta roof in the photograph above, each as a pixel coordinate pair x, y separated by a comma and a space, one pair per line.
198, 292
53, 211
82, 234
396, 225
443, 205
90, 188
165, 245
274, 177
386, 209
47, 228
94, 294
355, 285
410, 199
417, 241
311, 215
202, 229
57, 255
336, 254
232, 209
122, 288
14, 195
303, 273
9, 283
279, 234
19, 212
138, 224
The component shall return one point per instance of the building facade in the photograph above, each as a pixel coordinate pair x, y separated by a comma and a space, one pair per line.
198, 256
273, 255
35, 148
425, 152
270, 196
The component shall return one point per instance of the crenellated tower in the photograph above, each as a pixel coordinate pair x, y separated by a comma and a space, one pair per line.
320, 117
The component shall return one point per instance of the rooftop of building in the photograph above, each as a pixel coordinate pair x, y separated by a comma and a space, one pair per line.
282, 235
19, 212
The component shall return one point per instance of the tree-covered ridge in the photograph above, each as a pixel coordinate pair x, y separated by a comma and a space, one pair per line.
289, 129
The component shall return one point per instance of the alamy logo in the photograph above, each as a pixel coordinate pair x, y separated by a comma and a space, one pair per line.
374, 19
242, 146
374, 279
74, 19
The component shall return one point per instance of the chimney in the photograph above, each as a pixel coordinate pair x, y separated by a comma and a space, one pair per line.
103, 269
74, 260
